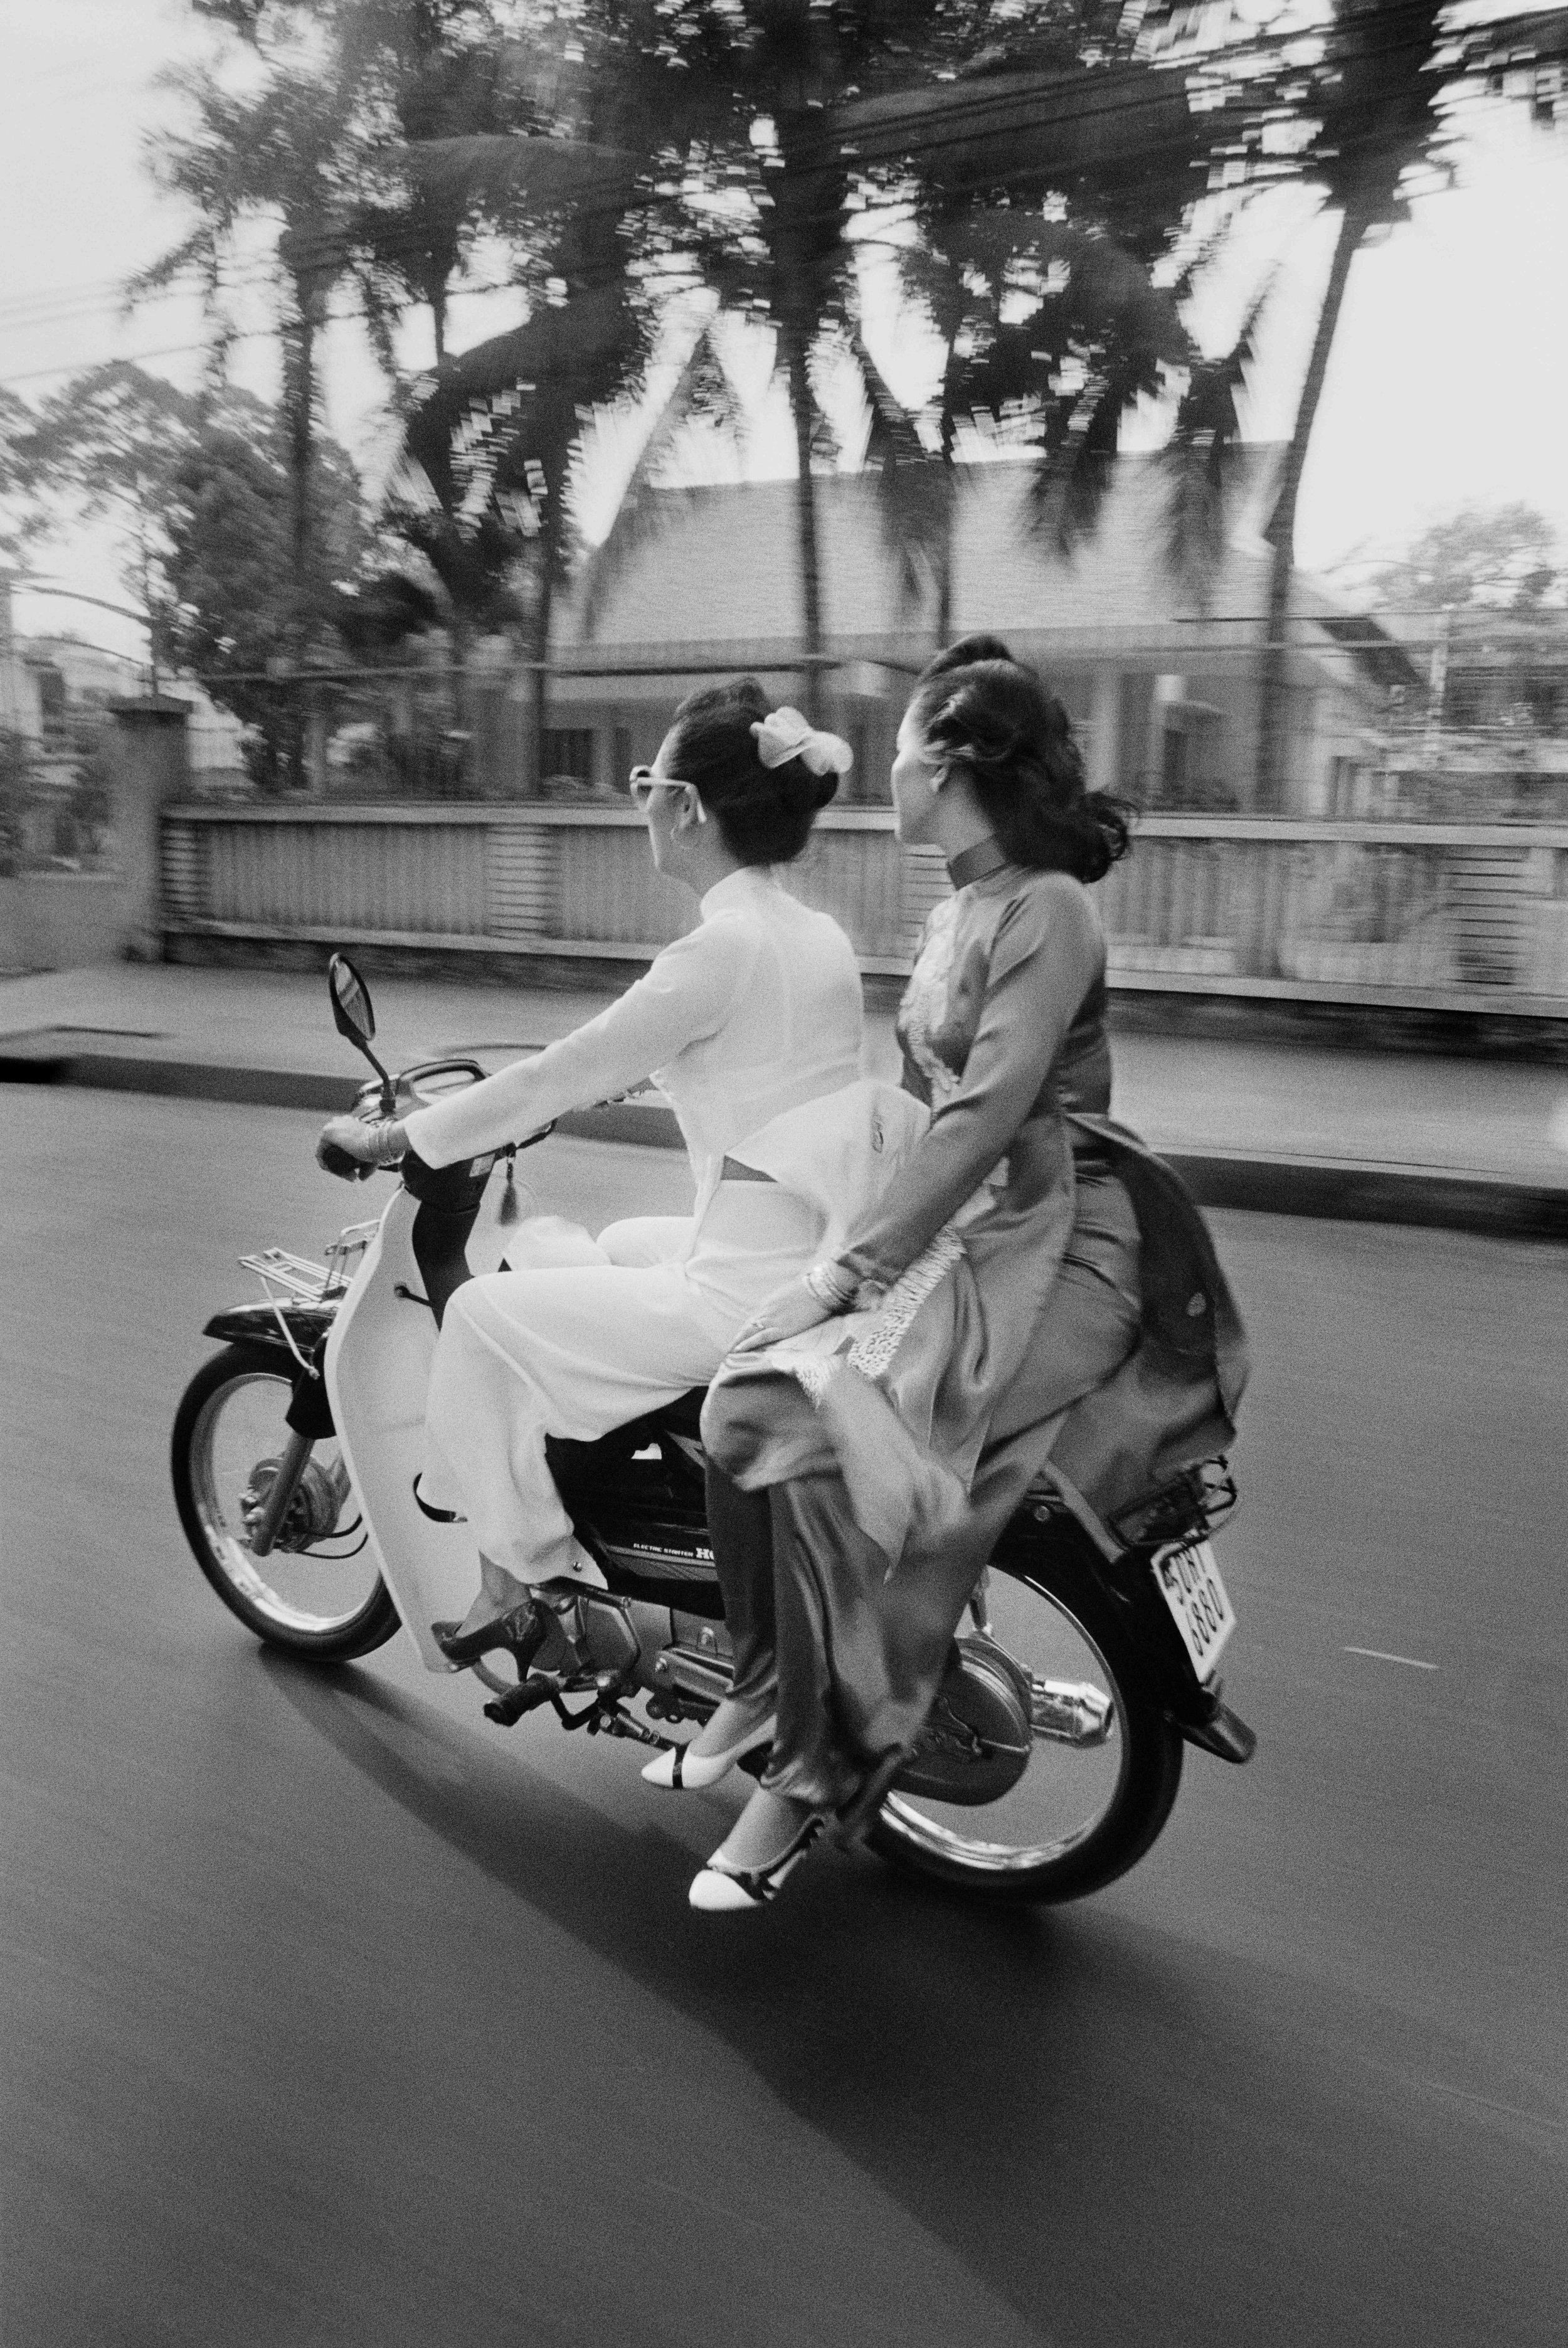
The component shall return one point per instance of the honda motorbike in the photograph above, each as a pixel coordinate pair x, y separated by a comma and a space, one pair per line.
1086, 1663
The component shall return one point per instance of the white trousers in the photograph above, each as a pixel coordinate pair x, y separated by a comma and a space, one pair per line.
582, 1335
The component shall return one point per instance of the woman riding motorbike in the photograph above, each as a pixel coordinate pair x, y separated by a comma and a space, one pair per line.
748, 1023
884, 1413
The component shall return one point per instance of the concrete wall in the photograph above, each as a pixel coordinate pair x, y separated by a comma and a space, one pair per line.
61, 921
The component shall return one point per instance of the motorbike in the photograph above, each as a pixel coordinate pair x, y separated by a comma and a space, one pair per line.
1086, 1666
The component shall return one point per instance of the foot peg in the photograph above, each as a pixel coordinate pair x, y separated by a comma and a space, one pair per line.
506, 1710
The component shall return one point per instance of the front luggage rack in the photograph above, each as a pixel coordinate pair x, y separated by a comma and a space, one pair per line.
305, 1282
277, 1267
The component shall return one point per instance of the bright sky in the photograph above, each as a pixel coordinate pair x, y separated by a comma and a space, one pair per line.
1445, 388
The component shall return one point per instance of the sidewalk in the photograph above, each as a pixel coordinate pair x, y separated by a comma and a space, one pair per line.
1288, 1128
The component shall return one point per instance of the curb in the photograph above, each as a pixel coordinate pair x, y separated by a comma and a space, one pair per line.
1427, 1198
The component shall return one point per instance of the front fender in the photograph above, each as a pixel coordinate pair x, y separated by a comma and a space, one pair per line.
257, 1324
310, 1411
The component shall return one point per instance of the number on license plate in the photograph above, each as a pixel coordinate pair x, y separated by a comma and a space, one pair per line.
1189, 1584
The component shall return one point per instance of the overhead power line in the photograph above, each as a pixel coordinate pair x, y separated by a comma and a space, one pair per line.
948, 117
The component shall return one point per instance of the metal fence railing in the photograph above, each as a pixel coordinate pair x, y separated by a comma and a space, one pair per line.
1397, 912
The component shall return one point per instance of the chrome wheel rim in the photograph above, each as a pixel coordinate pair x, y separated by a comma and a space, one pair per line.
314, 1592
1069, 1789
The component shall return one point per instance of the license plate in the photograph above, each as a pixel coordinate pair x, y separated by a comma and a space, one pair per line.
1191, 1586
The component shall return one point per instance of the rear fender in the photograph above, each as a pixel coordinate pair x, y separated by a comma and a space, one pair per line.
1128, 1579
1193, 1705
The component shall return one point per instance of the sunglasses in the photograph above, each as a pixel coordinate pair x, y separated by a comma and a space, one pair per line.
644, 783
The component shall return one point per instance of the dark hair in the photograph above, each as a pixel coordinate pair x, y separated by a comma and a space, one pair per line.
996, 719
763, 812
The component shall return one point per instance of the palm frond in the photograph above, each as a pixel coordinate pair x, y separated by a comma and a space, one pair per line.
914, 489
1079, 444
510, 166
646, 511
1198, 459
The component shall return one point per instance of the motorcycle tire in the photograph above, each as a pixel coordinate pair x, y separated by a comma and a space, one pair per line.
1138, 1778
366, 1619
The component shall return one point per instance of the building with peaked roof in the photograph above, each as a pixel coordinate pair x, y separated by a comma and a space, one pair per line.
1162, 681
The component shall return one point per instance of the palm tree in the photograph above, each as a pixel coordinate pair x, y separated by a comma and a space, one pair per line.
764, 112
488, 454
280, 151
757, 110
1382, 103
1057, 378
459, 139
322, 145
1055, 100
1378, 115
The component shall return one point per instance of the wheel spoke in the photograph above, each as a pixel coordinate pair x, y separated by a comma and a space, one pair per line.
238, 1438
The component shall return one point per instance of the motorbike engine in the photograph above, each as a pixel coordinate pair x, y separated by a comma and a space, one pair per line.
976, 1743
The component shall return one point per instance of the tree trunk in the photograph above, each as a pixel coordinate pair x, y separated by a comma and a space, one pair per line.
1274, 681
948, 451
459, 640
795, 357
541, 656
301, 397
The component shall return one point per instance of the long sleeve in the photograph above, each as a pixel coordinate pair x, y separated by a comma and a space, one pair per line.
1046, 954
688, 994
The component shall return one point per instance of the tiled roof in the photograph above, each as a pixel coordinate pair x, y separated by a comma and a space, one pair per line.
722, 570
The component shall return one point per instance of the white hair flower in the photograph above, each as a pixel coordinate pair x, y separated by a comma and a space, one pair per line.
785, 734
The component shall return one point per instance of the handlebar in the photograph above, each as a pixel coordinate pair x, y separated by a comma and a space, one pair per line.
337, 1161
465, 1179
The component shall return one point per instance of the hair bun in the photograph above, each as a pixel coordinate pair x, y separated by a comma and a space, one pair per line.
1015, 742
762, 773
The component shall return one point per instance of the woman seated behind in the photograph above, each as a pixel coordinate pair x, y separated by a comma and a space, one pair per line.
884, 1414
752, 1016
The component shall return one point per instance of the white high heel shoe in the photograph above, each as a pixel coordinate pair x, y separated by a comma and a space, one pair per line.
725, 1890
682, 1770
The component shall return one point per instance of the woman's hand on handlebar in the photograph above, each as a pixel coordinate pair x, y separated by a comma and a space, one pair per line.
788, 1312
347, 1147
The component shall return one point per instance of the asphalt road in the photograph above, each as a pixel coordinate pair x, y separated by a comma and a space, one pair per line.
332, 2015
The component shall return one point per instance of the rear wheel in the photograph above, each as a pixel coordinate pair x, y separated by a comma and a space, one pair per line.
1104, 1763
318, 1592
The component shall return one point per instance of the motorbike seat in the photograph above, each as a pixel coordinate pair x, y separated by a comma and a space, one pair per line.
683, 1416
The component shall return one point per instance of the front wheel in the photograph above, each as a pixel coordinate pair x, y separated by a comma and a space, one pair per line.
318, 1592
1103, 1765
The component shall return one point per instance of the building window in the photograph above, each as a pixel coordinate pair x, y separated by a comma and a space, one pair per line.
1191, 757
566, 755
1545, 696
857, 784
1465, 698
51, 704
621, 755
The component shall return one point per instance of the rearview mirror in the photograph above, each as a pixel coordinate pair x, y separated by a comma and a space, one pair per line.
351, 1008
356, 1021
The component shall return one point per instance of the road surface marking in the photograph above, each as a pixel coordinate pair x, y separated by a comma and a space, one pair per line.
1379, 1657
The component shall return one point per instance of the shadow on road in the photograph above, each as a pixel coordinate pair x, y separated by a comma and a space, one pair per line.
1112, 2128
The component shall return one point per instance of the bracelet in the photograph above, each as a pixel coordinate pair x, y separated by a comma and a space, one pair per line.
832, 1286
388, 1140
